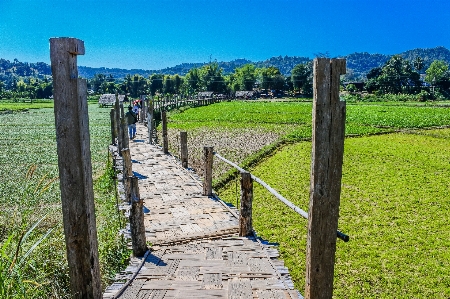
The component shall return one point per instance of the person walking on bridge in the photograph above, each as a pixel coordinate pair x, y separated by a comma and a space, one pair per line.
131, 121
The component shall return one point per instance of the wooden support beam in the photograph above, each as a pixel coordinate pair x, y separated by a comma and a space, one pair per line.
112, 115
326, 173
184, 149
164, 133
138, 239
245, 216
150, 110
207, 169
75, 169
124, 134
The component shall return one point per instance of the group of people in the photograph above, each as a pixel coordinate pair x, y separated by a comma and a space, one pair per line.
132, 117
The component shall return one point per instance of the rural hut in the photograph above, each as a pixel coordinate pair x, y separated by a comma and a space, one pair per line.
109, 99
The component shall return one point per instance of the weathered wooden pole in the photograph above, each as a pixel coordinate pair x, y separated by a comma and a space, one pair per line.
143, 111
207, 169
75, 169
326, 173
164, 133
112, 115
127, 172
138, 240
122, 113
117, 120
184, 149
245, 216
124, 134
150, 121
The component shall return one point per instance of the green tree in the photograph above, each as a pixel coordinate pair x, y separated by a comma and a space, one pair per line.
212, 78
168, 85
302, 78
177, 83
436, 71
245, 77
271, 78
192, 80
396, 76
156, 83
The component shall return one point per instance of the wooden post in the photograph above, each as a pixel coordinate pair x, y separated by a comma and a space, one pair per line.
75, 169
150, 120
245, 217
138, 240
184, 149
326, 173
113, 133
142, 112
207, 169
122, 113
117, 131
127, 173
164, 133
124, 136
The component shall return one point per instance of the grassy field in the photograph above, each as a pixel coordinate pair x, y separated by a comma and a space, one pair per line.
33, 265
394, 203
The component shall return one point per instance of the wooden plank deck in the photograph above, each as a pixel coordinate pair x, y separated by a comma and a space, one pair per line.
195, 251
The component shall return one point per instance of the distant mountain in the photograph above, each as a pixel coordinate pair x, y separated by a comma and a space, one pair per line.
358, 64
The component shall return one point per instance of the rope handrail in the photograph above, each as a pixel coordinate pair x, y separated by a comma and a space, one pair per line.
296, 209
270, 189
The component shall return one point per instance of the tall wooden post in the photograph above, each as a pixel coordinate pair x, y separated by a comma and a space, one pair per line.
127, 172
122, 112
117, 131
184, 149
164, 133
143, 111
326, 173
124, 134
138, 240
245, 216
75, 169
112, 120
150, 120
207, 169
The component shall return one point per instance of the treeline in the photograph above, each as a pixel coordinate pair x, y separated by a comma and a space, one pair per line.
208, 77
401, 76
412, 72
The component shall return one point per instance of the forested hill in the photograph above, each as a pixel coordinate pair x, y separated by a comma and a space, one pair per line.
358, 64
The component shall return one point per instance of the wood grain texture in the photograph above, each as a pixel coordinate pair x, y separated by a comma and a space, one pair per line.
245, 217
75, 169
326, 173
164, 133
207, 170
184, 149
137, 227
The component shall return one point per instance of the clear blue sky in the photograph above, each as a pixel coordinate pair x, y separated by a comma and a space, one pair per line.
152, 34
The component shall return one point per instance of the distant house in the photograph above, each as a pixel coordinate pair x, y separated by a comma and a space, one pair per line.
205, 95
246, 94
109, 99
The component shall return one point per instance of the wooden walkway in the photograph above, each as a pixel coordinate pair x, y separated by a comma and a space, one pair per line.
195, 248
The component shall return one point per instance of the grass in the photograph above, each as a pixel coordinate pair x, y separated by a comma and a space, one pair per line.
394, 201
394, 205
28, 138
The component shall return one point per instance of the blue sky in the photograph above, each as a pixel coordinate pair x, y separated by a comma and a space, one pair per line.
151, 34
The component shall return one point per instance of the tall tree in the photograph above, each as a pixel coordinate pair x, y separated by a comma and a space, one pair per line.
271, 78
436, 71
156, 83
302, 78
245, 77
